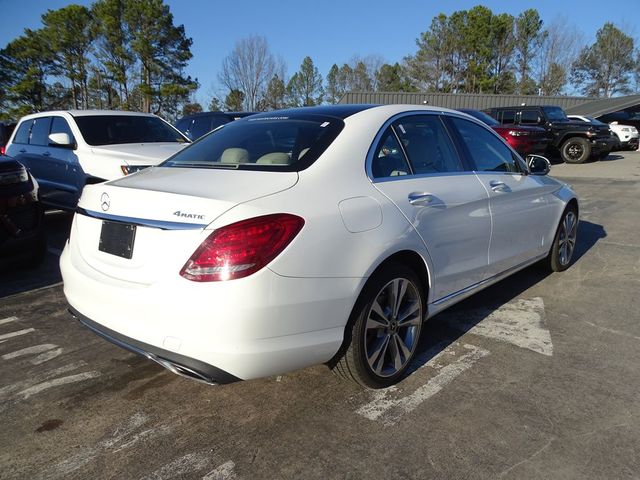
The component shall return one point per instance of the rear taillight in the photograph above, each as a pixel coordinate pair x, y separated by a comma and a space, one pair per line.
129, 169
3, 149
242, 248
519, 133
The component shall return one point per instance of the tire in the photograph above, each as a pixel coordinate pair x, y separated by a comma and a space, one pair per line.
379, 344
561, 253
575, 150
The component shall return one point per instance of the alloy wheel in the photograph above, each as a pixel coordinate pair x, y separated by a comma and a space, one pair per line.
575, 151
393, 327
567, 240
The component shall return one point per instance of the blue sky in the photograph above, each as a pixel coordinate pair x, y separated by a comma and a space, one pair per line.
329, 31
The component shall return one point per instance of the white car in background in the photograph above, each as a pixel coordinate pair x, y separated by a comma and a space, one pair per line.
312, 235
627, 135
66, 150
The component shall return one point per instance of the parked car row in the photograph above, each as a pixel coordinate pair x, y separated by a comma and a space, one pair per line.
67, 150
6, 129
22, 236
625, 136
573, 141
196, 125
523, 138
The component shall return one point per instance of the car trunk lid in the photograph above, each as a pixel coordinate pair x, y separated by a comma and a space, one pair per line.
144, 226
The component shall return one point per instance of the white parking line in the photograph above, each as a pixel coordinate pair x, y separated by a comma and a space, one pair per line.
30, 381
18, 333
35, 350
87, 454
8, 320
519, 322
80, 377
180, 467
390, 410
223, 472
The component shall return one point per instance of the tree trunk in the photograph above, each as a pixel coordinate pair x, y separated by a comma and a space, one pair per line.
146, 102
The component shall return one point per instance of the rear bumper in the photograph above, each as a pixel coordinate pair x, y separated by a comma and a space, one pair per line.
176, 363
262, 325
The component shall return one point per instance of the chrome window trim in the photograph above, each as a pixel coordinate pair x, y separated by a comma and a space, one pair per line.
142, 222
401, 178
404, 151
388, 123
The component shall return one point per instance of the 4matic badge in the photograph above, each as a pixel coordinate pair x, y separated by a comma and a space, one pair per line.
194, 216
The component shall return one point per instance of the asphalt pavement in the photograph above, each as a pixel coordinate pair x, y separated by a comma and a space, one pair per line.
535, 377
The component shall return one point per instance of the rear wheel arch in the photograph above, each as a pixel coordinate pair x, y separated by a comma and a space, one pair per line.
407, 258
572, 203
415, 262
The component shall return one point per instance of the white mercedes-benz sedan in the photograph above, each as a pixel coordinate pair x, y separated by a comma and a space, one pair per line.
311, 235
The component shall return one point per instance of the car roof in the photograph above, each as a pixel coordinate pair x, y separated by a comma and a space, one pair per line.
88, 113
339, 111
215, 113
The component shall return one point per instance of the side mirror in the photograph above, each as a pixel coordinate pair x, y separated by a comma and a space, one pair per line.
63, 140
538, 165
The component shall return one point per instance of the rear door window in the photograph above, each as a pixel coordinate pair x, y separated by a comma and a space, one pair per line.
40, 131
427, 144
508, 116
22, 135
388, 159
529, 117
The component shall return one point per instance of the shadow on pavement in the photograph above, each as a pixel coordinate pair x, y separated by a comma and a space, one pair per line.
437, 334
16, 277
611, 157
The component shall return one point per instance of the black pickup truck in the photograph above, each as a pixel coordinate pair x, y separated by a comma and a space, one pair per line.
575, 142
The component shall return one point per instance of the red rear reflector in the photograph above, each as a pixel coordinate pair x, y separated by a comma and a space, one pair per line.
242, 248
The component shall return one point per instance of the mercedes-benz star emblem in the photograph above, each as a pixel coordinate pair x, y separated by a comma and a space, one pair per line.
105, 202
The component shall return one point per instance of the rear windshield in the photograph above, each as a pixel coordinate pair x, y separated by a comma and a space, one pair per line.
118, 129
264, 143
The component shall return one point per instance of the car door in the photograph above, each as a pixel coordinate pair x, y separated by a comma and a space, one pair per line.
518, 202
65, 172
35, 155
415, 164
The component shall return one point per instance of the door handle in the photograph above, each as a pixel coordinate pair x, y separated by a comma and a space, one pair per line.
420, 198
22, 150
498, 186
46, 154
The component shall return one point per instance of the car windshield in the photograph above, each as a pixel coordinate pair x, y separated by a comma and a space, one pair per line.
276, 143
119, 129
555, 114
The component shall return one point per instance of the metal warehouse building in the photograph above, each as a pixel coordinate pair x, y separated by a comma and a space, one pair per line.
572, 105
